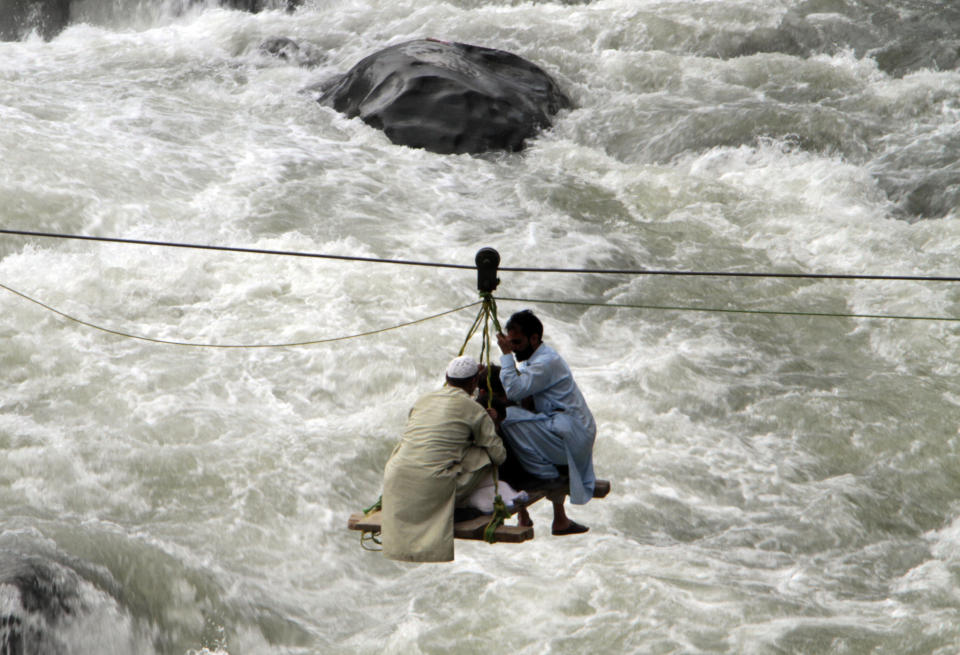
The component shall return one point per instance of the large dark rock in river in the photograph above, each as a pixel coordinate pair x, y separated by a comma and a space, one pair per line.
448, 97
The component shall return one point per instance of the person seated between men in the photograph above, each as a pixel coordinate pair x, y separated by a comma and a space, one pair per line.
511, 476
510, 470
449, 446
559, 430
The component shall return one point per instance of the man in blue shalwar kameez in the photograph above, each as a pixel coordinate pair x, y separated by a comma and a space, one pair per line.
552, 427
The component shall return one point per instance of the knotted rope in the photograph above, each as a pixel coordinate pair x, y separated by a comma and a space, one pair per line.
487, 316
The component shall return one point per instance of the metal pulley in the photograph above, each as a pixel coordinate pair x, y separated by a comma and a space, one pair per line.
487, 260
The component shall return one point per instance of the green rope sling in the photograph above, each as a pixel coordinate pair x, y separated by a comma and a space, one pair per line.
486, 316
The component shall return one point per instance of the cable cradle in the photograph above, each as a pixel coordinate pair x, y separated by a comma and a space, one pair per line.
488, 528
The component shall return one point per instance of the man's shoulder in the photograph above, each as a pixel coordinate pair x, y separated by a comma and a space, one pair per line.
547, 349
441, 395
545, 353
451, 401
466, 406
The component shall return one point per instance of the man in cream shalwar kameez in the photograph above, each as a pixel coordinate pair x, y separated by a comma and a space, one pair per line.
446, 450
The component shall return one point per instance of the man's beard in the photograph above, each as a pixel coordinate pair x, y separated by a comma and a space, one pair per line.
523, 355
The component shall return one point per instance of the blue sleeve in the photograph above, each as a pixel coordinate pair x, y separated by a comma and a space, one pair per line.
537, 375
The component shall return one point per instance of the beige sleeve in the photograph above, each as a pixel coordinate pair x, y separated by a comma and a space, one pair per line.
485, 436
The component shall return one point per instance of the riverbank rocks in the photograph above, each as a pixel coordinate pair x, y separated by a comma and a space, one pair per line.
448, 97
21, 17
47, 18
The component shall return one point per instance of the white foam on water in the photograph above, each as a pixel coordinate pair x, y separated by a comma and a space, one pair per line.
775, 478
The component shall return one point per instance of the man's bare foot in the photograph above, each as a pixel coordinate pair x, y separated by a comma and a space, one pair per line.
562, 524
523, 518
571, 527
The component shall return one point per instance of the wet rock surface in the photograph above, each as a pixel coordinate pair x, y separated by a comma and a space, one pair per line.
448, 97
45, 17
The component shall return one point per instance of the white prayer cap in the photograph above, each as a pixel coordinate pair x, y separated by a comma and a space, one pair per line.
462, 368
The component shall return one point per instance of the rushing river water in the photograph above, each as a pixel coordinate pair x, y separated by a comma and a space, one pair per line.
783, 482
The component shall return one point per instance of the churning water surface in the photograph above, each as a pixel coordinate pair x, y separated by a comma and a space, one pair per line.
785, 480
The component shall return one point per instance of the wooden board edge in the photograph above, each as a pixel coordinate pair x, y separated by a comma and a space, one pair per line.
474, 528
600, 490
471, 529
367, 523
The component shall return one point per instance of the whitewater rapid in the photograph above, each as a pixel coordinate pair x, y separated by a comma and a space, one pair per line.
784, 476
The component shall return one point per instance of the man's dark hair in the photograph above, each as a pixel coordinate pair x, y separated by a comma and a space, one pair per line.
461, 383
483, 394
495, 382
527, 322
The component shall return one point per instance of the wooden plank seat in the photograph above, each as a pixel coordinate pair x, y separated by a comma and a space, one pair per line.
473, 528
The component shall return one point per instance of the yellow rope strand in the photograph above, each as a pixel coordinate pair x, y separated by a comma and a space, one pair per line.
220, 345
486, 316
472, 330
500, 513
